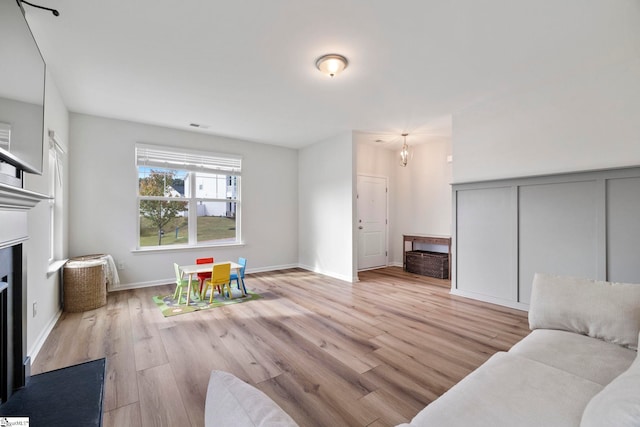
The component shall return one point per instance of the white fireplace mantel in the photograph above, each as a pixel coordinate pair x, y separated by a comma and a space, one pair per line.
15, 203
18, 198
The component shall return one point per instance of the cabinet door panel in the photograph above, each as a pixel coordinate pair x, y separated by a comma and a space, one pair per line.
623, 230
485, 242
557, 231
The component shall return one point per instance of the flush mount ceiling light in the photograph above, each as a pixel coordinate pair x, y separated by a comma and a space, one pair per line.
404, 153
331, 64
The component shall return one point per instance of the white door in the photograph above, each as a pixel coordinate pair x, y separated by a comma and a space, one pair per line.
372, 222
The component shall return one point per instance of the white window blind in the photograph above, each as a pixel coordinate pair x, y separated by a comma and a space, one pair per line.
55, 148
175, 158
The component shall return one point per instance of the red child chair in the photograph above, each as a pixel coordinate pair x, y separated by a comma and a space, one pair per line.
204, 276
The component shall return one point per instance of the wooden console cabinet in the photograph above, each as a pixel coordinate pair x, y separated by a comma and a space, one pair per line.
426, 239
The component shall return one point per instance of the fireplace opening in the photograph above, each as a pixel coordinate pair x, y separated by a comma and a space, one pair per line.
12, 325
4, 381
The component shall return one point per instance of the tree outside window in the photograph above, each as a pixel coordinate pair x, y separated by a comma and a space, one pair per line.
159, 214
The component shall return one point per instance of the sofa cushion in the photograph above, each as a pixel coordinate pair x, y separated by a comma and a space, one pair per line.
509, 390
231, 402
604, 310
618, 404
589, 358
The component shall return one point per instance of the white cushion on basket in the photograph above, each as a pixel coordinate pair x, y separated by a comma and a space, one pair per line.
233, 403
605, 310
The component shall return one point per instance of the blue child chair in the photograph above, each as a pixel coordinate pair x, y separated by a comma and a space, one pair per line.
240, 281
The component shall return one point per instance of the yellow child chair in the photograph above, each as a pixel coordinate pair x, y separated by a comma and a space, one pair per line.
182, 285
220, 276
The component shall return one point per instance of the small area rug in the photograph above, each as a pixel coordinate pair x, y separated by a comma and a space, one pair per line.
170, 306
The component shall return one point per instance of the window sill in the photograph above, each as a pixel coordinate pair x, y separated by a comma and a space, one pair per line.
55, 266
183, 248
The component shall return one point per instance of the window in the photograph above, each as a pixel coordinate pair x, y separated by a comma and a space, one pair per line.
56, 154
187, 198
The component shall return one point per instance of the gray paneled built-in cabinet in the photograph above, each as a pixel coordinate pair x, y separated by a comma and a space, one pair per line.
582, 224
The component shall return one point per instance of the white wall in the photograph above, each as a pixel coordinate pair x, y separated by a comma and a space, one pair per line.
42, 287
583, 117
419, 194
375, 160
103, 199
423, 194
327, 207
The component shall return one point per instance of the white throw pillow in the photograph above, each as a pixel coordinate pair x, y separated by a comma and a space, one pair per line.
604, 310
618, 404
233, 403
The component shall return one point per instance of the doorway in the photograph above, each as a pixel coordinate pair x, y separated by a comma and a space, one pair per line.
372, 221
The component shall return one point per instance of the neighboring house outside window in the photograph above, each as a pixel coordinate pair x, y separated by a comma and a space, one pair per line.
187, 198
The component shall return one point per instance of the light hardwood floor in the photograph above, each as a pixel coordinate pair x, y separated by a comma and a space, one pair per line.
330, 353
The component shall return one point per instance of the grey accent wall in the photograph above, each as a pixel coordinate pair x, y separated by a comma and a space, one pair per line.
623, 229
581, 224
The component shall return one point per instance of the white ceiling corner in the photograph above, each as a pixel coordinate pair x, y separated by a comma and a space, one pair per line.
246, 69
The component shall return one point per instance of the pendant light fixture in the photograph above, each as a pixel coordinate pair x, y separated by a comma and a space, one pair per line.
331, 64
404, 153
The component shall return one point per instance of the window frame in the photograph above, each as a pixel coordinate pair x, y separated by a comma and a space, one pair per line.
191, 173
55, 157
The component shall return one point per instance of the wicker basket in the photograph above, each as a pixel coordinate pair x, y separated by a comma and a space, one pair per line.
433, 264
84, 283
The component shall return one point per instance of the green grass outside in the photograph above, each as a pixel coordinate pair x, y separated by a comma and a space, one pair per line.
209, 228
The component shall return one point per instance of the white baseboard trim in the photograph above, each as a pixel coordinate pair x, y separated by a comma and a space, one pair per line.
37, 345
492, 300
271, 268
372, 268
330, 274
138, 285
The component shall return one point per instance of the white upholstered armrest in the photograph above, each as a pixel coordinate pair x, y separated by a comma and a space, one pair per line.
233, 403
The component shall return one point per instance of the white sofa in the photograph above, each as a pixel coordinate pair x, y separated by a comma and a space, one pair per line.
578, 367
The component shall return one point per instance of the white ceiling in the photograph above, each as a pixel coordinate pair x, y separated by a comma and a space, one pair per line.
245, 68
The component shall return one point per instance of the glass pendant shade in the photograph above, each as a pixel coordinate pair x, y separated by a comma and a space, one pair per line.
331, 64
404, 152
